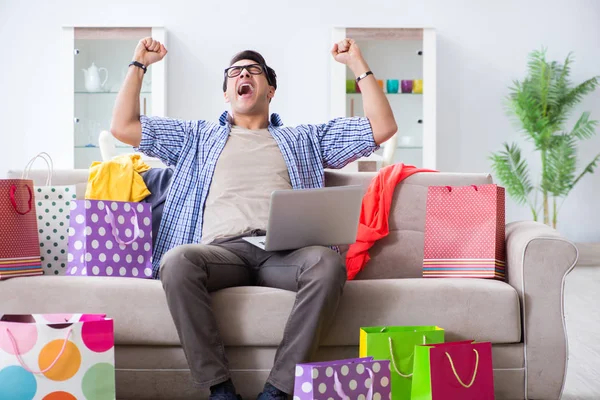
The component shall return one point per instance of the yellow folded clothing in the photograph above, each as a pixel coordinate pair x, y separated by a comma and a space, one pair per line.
118, 179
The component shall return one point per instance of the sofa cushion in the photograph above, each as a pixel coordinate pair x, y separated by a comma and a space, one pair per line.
479, 309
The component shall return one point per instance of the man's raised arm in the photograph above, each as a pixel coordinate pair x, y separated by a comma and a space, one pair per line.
375, 103
125, 124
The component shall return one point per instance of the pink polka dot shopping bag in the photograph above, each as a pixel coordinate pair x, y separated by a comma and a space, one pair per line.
464, 232
110, 238
57, 356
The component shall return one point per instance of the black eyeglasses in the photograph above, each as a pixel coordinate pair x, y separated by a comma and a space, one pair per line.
253, 69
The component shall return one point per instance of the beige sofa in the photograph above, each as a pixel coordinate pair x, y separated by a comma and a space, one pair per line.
522, 318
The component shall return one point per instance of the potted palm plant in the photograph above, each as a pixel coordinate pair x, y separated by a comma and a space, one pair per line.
540, 105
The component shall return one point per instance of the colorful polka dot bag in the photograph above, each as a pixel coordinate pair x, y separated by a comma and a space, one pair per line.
57, 357
19, 246
464, 232
351, 379
110, 238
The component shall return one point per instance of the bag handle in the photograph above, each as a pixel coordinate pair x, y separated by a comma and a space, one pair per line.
394, 360
340, 391
136, 226
49, 163
474, 372
16, 350
13, 201
473, 186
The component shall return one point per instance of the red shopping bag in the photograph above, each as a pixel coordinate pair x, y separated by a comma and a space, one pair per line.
464, 232
19, 245
453, 371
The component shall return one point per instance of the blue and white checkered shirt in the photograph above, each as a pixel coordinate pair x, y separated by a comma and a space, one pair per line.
193, 147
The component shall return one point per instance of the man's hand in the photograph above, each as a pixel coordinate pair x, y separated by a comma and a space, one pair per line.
149, 51
347, 52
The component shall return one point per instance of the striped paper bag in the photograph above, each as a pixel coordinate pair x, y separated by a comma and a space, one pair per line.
464, 232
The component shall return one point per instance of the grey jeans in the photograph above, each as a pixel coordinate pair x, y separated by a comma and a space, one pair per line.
190, 272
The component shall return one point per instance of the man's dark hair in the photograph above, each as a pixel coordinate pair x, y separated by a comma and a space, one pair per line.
257, 58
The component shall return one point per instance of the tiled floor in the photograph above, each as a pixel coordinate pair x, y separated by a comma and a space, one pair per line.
582, 311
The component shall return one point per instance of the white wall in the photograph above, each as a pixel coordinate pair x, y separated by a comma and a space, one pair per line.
482, 47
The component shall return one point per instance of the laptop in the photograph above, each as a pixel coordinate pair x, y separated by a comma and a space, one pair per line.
307, 217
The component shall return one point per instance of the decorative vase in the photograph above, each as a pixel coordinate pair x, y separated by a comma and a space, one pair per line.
418, 86
350, 86
392, 85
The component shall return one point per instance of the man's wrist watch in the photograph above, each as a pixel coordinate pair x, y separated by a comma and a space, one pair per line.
363, 76
139, 65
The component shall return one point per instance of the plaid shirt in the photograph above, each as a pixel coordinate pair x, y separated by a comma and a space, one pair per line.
193, 148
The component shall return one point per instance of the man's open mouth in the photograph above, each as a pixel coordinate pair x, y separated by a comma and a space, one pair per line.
245, 90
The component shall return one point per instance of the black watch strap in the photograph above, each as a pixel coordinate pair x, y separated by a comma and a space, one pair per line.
363, 76
139, 65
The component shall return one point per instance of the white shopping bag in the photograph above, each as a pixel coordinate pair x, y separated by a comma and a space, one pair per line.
52, 208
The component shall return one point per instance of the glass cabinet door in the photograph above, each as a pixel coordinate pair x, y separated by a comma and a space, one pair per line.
398, 65
100, 63
403, 61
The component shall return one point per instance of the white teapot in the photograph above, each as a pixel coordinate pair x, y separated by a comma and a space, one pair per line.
92, 78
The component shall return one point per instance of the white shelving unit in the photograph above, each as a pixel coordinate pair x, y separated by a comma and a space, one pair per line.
394, 54
87, 113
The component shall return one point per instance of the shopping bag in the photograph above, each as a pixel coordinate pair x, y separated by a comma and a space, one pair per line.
464, 232
19, 247
397, 344
57, 356
453, 371
110, 238
52, 208
356, 378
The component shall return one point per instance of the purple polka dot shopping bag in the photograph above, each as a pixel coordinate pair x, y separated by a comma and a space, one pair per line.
110, 238
57, 356
351, 379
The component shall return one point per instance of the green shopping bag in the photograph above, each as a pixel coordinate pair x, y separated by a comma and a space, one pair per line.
397, 344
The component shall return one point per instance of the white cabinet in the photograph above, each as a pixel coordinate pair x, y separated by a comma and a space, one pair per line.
396, 56
96, 61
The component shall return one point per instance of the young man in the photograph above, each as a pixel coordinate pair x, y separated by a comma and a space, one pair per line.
224, 174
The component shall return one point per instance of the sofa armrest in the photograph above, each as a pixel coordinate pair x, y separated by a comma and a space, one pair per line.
538, 260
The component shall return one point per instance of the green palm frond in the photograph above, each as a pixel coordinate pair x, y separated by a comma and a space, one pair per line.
523, 107
584, 128
512, 172
575, 95
564, 82
538, 77
589, 169
561, 162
